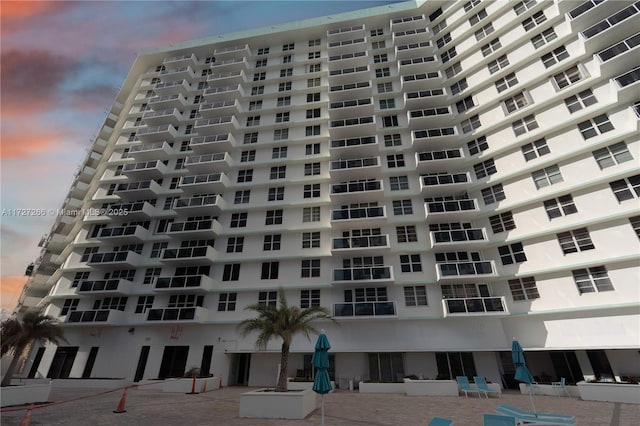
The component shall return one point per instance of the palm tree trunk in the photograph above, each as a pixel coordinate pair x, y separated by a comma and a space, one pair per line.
6, 380
284, 367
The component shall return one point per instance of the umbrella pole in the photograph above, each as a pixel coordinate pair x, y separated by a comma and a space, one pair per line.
531, 399
322, 408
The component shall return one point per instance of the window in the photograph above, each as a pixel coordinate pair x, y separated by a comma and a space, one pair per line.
287, 59
516, 102
86, 254
289, 46
554, 56
523, 6
283, 87
255, 105
278, 172
543, 38
448, 55
310, 240
311, 214
459, 86
378, 45
312, 130
512, 253
311, 190
157, 248
377, 59
150, 275
144, 304
635, 224
312, 149
280, 134
253, 121
247, 156
498, 64
276, 194
257, 90
261, 63
310, 268
406, 234
595, 126
415, 295
270, 270
470, 124
392, 140
439, 26
314, 55
309, 298
81, 276
442, 41
410, 263
284, 101
453, 70
398, 183
402, 207
502, 222
395, 160
524, 289
484, 31
385, 87
390, 121
231, 272
268, 298
611, 155
250, 138
242, 197
314, 82
474, 19
282, 117
313, 113
387, 103
263, 51
314, 42
273, 217
227, 302
271, 242
245, 175
574, 241
377, 32
313, 97
69, 305
383, 72
581, 100
534, 20
524, 125
478, 145
626, 189
465, 104
279, 152
535, 149
493, 194
238, 220
547, 176
486, 168
491, 47
591, 280
561, 206
259, 76
235, 244
312, 169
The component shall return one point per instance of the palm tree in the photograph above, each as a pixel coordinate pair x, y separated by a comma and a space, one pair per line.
17, 335
281, 321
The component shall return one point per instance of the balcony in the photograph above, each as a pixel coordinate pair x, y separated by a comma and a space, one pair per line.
436, 116
200, 205
430, 161
181, 61
159, 103
345, 32
343, 218
354, 191
357, 168
172, 87
105, 287
138, 190
475, 306
227, 78
204, 184
366, 244
345, 75
409, 22
443, 183
451, 209
193, 314
465, 270
115, 260
154, 169
364, 309
342, 47
345, 92
205, 255
164, 116
214, 143
157, 133
410, 36
95, 317
152, 151
239, 50
626, 85
140, 210
224, 93
416, 48
214, 109
179, 73
191, 283
370, 273
231, 64
458, 236
345, 110
220, 161
218, 125
124, 234
367, 145
352, 127
206, 228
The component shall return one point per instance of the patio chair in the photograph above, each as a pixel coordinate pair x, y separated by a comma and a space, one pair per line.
496, 420
482, 386
560, 386
530, 418
440, 421
465, 386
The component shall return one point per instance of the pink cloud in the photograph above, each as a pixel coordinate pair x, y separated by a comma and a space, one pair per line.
23, 138
10, 289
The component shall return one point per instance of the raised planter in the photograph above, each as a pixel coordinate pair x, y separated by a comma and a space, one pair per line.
267, 404
24, 394
181, 385
430, 387
91, 383
611, 392
365, 387
294, 385
541, 389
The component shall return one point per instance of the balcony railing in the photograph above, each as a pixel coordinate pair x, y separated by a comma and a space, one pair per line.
345, 188
99, 286
458, 235
188, 282
199, 225
358, 213
114, 257
199, 201
354, 164
474, 305
465, 269
445, 179
360, 242
171, 314
188, 253
362, 274
450, 206
364, 309
89, 316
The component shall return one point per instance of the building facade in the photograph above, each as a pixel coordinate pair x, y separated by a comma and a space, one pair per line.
442, 176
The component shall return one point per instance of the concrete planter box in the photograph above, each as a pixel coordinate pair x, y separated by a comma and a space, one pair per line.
430, 387
266, 404
611, 392
18, 381
182, 385
293, 385
381, 387
24, 394
91, 383
549, 390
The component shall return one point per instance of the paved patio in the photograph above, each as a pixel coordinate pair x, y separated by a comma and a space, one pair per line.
220, 407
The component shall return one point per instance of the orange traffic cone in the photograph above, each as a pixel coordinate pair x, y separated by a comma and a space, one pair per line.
27, 417
193, 387
121, 404
204, 386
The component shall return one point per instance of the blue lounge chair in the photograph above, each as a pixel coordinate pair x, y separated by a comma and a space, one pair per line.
561, 386
495, 420
511, 411
482, 386
530, 418
465, 386
440, 421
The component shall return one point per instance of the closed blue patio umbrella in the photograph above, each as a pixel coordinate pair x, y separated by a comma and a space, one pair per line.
320, 360
522, 372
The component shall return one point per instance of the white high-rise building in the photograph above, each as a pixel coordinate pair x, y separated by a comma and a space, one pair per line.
442, 176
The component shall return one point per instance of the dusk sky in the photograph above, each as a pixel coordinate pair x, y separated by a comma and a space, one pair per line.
62, 63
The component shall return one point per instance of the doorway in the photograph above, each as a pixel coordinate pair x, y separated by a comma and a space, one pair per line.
142, 363
174, 361
90, 361
62, 362
36, 363
601, 367
240, 369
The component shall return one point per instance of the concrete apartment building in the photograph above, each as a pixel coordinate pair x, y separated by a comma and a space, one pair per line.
442, 176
